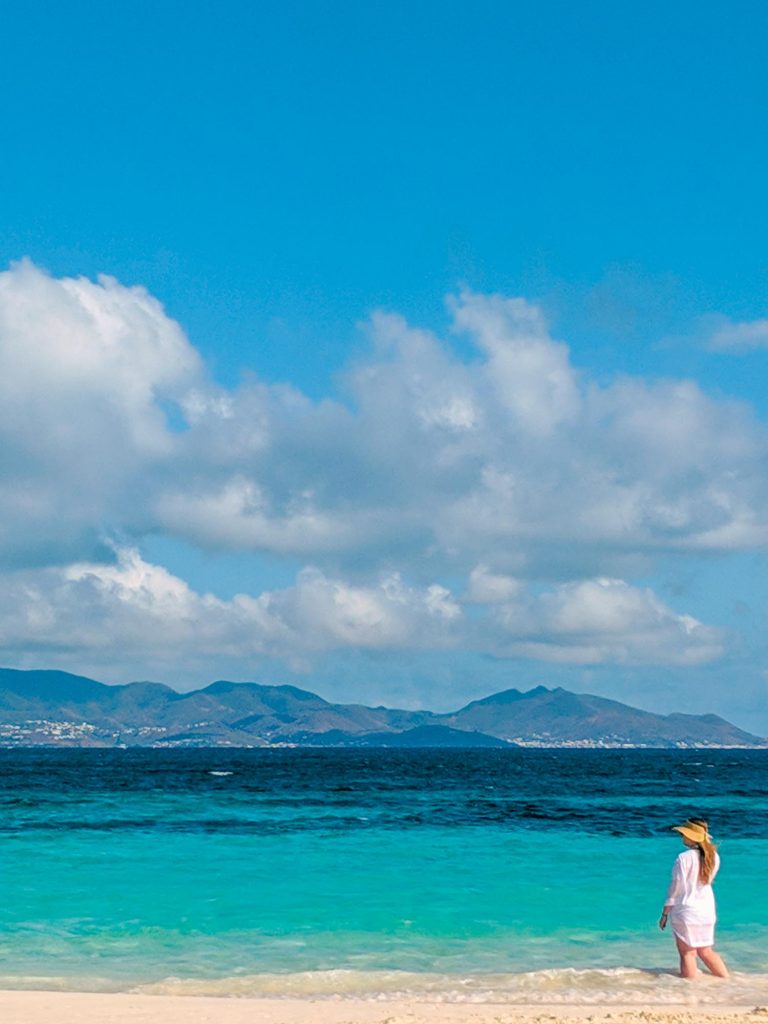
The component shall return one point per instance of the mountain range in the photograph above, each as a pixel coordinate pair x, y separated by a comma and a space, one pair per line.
58, 708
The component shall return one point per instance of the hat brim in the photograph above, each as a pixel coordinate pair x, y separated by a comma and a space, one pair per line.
696, 835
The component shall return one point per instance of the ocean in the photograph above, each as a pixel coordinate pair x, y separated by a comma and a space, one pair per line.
474, 875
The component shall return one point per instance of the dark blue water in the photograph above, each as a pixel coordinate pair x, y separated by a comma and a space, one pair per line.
617, 792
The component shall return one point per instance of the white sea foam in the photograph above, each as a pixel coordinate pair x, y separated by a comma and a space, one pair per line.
221, 773
58, 983
619, 985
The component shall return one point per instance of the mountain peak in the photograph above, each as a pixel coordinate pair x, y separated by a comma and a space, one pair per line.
222, 686
510, 696
50, 683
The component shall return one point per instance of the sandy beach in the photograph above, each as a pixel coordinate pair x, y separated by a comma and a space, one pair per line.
98, 1008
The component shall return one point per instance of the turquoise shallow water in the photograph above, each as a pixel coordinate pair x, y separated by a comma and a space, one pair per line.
372, 874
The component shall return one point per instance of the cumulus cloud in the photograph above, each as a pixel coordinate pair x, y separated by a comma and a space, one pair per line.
511, 455
530, 373
486, 587
505, 472
134, 607
498, 459
85, 370
316, 613
605, 620
133, 613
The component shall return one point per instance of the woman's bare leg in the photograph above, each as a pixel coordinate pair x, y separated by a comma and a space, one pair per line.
688, 968
713, 961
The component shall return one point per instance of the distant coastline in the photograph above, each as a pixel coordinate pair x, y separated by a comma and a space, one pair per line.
53, 708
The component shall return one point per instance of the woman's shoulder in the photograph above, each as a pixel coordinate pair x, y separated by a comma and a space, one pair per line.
685, 855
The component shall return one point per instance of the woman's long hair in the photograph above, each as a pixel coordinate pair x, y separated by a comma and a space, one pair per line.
707, 854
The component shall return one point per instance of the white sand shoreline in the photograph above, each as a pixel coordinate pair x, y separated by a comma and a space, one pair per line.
34, 1007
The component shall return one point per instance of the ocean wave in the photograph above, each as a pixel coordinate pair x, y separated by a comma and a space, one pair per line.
599, 986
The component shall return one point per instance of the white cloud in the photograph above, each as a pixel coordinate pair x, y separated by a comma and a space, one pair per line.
132, 614
606, 620
529, 372
239, 515
503, 472
486, 587
504, 459
70, 344
85, 370
739, 336
325, 612
497, 459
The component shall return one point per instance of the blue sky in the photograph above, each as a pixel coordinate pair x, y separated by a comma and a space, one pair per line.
413, 518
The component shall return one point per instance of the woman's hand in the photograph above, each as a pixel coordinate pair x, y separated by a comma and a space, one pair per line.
663, 920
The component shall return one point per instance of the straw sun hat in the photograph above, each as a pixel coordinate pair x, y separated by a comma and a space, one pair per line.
696, 833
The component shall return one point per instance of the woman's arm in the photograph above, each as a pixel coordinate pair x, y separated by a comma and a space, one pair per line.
674, 892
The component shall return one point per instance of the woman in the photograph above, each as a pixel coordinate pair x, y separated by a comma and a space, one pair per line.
690, 903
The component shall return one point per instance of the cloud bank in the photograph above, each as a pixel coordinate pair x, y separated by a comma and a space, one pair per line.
501, 503
133, 612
